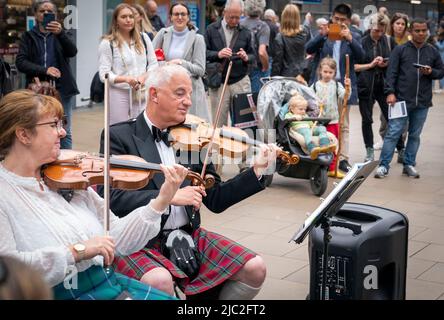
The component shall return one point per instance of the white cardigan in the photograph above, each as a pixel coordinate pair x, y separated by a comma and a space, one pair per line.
111, 61
38, 226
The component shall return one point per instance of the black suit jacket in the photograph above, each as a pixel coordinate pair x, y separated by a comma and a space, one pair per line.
215, 41
134, 137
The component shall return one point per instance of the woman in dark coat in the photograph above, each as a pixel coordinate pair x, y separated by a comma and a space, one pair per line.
289, 56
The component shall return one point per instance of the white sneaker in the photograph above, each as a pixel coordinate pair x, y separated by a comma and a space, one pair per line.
378, 145
381, 172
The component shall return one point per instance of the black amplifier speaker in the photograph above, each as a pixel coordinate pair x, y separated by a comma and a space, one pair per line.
367, 255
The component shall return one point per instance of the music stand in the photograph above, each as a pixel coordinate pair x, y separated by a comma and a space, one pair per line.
330, 207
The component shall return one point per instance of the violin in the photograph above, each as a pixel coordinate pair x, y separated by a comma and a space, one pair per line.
77, 171
195, 134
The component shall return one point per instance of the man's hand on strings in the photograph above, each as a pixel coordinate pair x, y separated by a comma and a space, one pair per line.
265, 160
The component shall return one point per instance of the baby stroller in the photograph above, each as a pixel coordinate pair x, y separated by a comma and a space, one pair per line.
272, 107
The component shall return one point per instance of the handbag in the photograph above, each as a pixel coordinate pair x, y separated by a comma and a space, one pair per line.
213, 76
178, 246
47, 88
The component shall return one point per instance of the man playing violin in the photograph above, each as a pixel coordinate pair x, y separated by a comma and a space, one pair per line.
237, 272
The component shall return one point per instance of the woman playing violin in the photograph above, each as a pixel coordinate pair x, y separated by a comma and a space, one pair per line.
225, 264
57, 237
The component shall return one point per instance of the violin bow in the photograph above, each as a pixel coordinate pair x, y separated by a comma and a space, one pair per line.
343, 112
216, 120
106, 162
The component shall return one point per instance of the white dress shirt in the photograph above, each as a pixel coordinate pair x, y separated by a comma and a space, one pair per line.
178, 215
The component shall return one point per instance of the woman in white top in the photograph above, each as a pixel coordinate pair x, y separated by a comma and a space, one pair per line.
126, 55
182, 45
61, 237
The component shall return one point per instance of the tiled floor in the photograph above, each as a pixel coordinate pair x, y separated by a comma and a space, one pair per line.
267, 221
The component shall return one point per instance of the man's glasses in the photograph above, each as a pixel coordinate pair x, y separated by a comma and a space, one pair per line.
58, 124
182, 14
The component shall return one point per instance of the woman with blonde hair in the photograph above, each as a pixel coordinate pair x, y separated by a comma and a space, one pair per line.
289, 51
126, 55
183, 46
62, 236
143, 22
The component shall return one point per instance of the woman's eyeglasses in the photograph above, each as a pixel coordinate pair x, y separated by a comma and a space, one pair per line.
182, 14
58, 124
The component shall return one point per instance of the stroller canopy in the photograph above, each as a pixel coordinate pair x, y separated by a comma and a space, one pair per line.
274, 95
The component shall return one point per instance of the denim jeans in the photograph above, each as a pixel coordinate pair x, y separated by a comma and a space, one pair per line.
68, 104
255, 77
416, 119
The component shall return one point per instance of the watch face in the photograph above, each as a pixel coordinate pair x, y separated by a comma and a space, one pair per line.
79, 247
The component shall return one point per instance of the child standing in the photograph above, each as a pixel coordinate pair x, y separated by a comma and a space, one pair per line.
330, 91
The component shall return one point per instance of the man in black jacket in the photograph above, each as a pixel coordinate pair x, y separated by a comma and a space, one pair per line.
151, 12
44, 53
406, 81
218, 39
220, 258
371, 78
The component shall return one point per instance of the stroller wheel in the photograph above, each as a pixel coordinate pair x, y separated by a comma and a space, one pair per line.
318, 180
268, 180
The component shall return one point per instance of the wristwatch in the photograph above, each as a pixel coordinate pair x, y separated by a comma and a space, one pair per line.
80, 249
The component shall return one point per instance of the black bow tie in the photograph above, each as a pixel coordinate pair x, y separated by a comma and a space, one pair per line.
160, 135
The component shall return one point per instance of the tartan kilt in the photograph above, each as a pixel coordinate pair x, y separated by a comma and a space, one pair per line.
220, 258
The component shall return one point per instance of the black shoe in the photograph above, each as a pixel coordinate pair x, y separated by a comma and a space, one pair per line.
344, 166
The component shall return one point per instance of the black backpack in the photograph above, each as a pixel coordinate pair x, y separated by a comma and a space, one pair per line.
255, 44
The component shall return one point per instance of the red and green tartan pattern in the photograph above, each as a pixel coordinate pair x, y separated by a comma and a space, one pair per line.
220, 258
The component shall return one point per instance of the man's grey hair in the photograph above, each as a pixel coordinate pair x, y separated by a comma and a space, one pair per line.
231, 3
321, 21
254, 8
159, 76
355, 19
38, 3
269, 14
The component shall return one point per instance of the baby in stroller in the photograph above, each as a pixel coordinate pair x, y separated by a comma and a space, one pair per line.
307, 129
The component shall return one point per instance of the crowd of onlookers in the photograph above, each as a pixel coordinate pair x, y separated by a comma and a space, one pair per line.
258, 43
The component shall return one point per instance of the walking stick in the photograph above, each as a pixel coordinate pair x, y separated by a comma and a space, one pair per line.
343, 111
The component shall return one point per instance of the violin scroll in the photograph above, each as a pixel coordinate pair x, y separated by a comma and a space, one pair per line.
288, 158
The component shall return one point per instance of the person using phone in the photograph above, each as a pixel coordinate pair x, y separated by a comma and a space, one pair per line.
371, 77
414, 86
349, 44
44, 53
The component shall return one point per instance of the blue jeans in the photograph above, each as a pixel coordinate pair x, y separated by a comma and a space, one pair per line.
255, 78
416, 119
68, 104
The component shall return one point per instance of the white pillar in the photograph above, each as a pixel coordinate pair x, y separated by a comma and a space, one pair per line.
89, 32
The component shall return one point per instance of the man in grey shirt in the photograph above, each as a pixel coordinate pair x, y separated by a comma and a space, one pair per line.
260, 35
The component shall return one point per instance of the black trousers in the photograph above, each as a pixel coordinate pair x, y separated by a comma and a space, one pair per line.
366, 109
